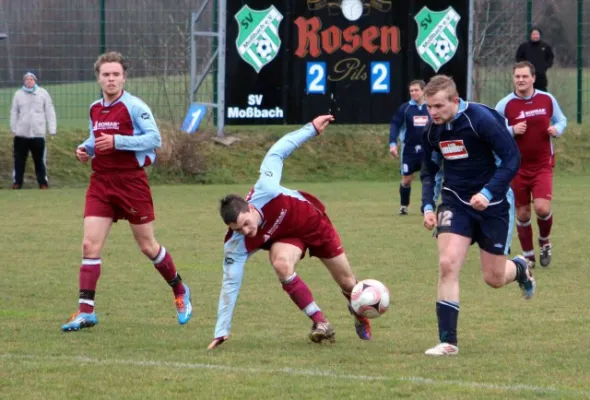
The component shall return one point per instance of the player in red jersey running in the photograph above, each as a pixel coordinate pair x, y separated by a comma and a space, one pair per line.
535, 118
123, 140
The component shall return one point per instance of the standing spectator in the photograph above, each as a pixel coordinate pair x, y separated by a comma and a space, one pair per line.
538, 53
32, 110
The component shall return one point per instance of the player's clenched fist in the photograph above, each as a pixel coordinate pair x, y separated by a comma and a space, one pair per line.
217, 342
479, 202
520, 128
393, 150
82, 155
429, 220
320, 123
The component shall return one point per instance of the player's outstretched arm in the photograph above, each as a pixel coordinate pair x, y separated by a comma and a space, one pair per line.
235, 257
271, 169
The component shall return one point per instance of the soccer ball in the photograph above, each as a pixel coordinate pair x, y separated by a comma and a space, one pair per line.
264, 48
369, 298
442, 48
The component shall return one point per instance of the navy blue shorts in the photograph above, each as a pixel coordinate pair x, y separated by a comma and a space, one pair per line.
410, 164
491, 228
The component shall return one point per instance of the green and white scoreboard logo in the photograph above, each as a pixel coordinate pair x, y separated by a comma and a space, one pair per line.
437, 40
258, 40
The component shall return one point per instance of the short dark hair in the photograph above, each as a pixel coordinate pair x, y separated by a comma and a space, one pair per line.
230, 208
524, 64
418, 82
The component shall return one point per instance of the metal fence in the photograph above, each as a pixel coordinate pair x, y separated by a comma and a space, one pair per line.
59, 41
499, 26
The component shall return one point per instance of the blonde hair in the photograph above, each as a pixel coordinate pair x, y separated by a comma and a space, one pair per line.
110, 57
439, 83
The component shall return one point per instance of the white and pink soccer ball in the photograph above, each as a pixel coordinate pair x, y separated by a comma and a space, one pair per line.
369, 298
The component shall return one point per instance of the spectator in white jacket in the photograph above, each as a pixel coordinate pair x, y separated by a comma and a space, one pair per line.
31, 114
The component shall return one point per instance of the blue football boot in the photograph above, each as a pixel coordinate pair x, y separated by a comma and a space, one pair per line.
184, 307
79, 321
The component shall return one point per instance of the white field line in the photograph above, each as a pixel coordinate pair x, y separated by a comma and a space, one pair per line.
293, 371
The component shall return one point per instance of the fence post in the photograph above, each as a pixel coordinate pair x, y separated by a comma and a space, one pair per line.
215, 47
470, 52
529, 18
221, 29
103, 31
579, 60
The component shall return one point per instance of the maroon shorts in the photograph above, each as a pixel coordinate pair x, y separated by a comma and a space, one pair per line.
528, 183
324, 242
122, 195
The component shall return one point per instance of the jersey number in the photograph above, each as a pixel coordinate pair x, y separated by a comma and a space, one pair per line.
444, 218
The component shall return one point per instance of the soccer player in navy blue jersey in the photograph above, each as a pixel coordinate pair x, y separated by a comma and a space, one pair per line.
407, 125
479, 158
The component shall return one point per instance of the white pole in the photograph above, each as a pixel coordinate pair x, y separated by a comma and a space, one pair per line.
221, 15
470, 50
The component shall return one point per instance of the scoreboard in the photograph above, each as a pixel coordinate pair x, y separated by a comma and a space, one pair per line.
288, 61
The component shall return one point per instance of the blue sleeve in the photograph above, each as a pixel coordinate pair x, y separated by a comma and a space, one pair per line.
397, 122
491, 128
89, 143
235, 257
271, 169
429, 173
146, 135
437, 178
558, 119
501, 108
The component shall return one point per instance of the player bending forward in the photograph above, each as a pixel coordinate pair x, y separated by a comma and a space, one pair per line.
286, 223
479, 158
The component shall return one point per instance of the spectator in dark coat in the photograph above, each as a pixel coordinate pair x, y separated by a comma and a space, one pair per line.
538, 53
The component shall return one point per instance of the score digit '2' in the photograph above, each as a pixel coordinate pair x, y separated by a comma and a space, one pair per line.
316, 77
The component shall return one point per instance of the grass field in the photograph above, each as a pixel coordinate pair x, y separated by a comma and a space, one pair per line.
509, 348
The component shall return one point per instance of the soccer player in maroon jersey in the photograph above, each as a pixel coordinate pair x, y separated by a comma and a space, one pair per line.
123, 140
286, 223
535, 118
